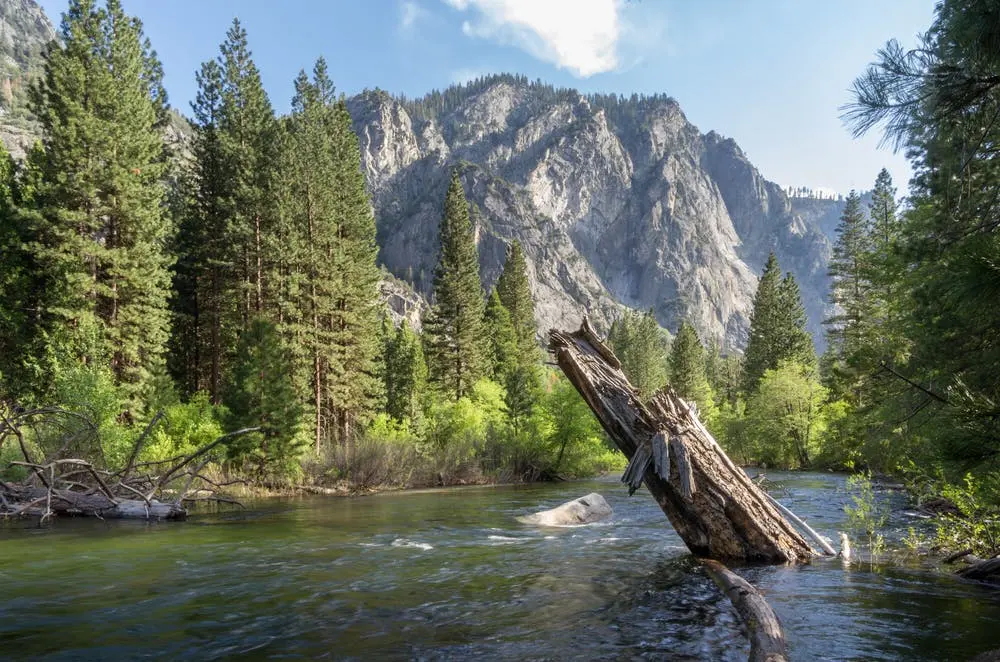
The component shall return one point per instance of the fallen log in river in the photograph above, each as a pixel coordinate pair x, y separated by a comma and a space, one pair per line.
64, 486
719, 513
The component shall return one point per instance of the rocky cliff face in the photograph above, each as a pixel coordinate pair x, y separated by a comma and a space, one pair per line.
616, 202
25, 30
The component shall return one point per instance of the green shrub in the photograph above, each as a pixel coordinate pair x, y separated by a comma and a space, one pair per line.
185, 428
978, 526
869, 515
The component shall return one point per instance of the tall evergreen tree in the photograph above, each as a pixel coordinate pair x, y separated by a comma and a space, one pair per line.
103, 229
326, 260
502, 347
885, 269
938, 101
405, 375
523, 376
514, 290
777, 326
687, 369
260, 393
454, 328
16, 286
850, 270
231, 231
638, 342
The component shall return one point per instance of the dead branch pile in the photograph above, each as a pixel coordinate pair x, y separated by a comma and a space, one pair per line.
58, 485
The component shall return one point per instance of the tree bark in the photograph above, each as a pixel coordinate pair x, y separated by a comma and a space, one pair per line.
67, 503
711, 503
767, 639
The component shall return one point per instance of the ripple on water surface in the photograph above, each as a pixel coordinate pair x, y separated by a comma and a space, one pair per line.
453, 575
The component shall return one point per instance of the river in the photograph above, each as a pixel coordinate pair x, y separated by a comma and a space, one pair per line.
451, 574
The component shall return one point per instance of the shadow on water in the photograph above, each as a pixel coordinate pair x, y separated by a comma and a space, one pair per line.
452, 575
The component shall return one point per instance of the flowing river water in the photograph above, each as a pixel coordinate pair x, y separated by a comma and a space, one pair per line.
452, 574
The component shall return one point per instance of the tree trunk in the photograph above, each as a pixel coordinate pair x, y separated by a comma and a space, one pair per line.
67, 503
711, 503
767, 639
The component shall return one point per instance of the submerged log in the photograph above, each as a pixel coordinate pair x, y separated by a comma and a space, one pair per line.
767, 639
712, 504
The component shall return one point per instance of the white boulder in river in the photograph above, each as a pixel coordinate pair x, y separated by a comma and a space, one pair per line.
585, 510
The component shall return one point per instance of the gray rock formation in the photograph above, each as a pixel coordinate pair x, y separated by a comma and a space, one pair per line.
25, 30
402, 301
585, 510
617, 202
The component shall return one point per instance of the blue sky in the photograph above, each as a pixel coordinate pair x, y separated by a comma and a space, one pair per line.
769, 73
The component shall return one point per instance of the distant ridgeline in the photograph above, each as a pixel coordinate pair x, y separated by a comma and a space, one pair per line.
622, 111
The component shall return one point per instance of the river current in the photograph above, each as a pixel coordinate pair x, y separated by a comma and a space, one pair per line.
451, 574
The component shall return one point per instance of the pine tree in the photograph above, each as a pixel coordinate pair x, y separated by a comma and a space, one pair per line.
231, 232
777, 327
327, 260
761, 352
103, 231
406, 374
638, 342
502, 348
514, 290
16, 276
523, 377
454, 327
687, 369
885, 269
260, 393
850, 270
796, 344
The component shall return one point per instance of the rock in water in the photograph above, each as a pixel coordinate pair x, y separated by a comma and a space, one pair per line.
585, 510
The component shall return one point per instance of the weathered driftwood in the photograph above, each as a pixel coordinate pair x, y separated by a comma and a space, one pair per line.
69, 503
988, 570
70, 486
712, 504
767, 639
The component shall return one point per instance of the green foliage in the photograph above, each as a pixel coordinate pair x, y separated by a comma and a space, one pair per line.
501, 340
454, 343
521, 374
978, 526
785, 417
260, 393
325, 269
101, 233
869, 514
575, 441
90, 391
777, 327
641, 346
688, 372
405, 375
186, 427
227, 238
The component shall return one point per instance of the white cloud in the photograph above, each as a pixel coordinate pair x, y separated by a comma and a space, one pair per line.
409, 13
579, 35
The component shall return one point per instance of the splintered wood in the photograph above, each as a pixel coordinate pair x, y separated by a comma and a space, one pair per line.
711, 503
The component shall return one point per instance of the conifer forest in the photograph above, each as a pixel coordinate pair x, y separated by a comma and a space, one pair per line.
232, 311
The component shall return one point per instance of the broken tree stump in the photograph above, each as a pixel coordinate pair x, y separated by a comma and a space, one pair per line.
711, 503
